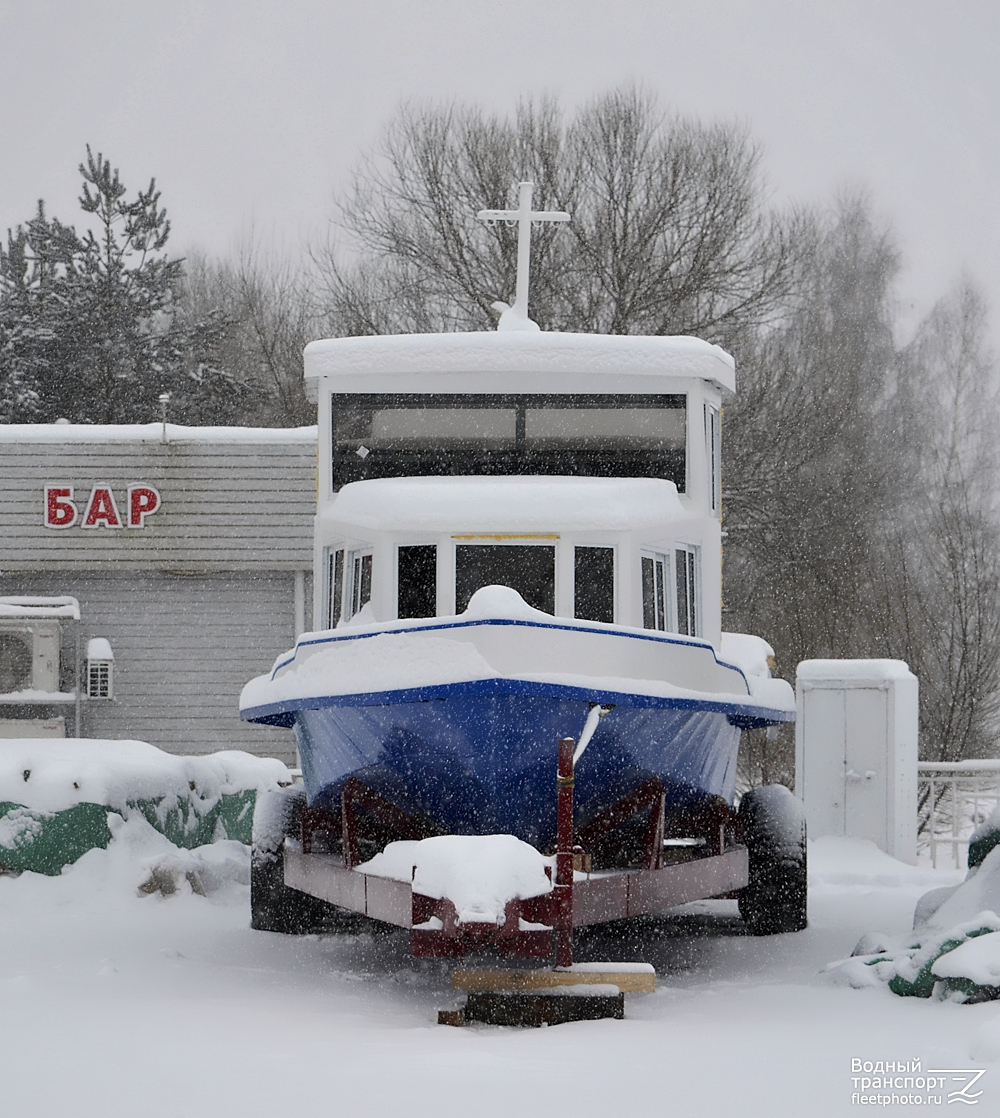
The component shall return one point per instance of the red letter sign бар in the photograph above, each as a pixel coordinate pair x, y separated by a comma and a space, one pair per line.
142, 501
60, 511
101, 509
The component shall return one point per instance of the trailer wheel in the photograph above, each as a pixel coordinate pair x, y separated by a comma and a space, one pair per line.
774, 831
274, 906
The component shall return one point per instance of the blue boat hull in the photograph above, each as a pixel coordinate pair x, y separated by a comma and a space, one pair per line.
483, 761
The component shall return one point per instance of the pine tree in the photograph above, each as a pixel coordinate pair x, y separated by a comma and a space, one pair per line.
35, 301
88, 325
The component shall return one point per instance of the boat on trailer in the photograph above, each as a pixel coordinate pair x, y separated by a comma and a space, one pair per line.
518, 536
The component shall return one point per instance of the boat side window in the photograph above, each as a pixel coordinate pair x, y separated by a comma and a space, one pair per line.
334, 586
530, 569
687, 575
713, 446
416, 580
358, 582
655, 584
594, 583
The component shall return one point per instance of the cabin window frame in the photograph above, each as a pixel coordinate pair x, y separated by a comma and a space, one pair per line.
713, 450
518, 459
659, 607
551, 541
437, 561
691, 615
334, 565
356, 571
577, 546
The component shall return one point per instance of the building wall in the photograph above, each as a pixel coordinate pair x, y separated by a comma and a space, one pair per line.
184, 647
226, 504
195, 603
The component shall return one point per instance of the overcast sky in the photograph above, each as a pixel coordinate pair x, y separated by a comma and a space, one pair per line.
251, 114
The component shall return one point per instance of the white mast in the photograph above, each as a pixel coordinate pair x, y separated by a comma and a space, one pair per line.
516, 317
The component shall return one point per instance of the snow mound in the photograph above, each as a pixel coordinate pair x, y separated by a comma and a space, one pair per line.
984, 838
142, 862
505, 504
749, 653
478, 873
205, 870
502, 601
977, 960
853, 669
138, 863
953, 952
978, 893
50, 775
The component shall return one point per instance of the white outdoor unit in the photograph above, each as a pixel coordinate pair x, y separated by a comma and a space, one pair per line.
32, 727
856, 751
29, 655
100, 669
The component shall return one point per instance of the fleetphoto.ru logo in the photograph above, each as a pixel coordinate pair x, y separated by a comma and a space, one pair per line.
904, 1083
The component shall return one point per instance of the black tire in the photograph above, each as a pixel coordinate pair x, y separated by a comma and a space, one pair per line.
274, 906
774, 831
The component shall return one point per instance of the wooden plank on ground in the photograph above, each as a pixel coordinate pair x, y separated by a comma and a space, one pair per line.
628, 981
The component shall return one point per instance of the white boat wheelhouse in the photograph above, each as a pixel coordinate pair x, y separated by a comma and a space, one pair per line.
582, 470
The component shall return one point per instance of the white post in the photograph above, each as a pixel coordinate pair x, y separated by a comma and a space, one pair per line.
523, 248
300, 603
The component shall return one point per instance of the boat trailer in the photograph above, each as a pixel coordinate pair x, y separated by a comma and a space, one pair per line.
535, 926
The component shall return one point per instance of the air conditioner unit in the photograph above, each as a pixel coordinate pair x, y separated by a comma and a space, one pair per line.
29, 655
32, 727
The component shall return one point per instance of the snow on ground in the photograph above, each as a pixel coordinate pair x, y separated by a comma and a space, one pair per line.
115, 1002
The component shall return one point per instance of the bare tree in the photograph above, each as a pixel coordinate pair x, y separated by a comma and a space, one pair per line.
948, 568
860, 491
810, 474
264, 302
670, 231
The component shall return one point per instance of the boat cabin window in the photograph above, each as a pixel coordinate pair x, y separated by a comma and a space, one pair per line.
530, 569
335, 587
671, 589
713, 448
655, 593
350, 583
416, 581
686, 581
594, 583
421, 434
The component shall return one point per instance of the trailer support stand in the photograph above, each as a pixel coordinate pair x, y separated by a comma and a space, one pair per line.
564, 854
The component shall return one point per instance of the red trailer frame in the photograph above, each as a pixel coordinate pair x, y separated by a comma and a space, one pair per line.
537, 926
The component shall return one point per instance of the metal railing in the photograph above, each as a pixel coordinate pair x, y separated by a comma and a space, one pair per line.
953, 798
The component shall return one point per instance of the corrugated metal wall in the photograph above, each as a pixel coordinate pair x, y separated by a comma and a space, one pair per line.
225, 505
197, 602
184, 647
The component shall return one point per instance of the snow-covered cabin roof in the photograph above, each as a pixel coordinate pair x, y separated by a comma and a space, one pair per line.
149, 432
506, 504
513, 352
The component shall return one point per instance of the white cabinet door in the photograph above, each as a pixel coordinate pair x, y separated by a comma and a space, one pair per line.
824, 722
866, 786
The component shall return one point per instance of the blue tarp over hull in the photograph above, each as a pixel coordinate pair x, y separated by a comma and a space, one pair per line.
485, 763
